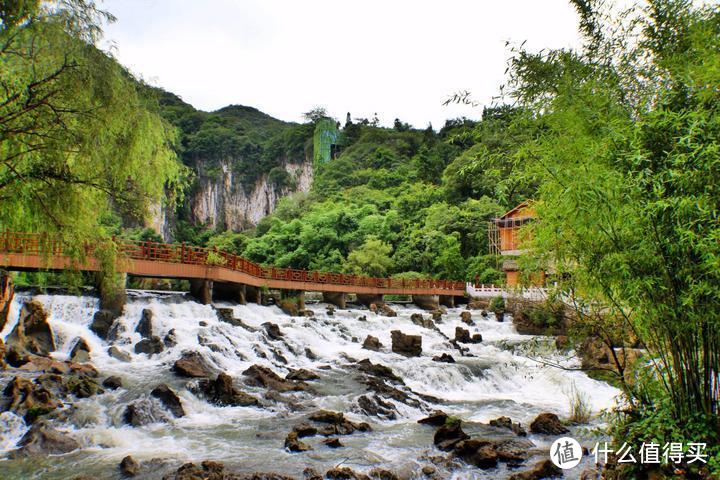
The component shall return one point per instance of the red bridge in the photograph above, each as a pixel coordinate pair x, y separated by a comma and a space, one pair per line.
231, 276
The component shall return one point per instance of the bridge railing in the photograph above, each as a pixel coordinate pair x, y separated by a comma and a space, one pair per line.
45, 244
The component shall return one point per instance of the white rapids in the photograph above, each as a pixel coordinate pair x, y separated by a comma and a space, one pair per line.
503, 377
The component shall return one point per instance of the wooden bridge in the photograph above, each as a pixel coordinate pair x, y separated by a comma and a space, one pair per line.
213, 273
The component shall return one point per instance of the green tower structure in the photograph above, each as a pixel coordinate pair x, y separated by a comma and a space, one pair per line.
325, 136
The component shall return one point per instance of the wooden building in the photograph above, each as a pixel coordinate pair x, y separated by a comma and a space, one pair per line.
506, 237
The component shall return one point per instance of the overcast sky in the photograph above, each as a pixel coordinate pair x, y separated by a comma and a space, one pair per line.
398, 58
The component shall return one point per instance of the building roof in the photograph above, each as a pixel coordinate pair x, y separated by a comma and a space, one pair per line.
519, 206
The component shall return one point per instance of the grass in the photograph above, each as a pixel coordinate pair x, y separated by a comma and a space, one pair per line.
580, 410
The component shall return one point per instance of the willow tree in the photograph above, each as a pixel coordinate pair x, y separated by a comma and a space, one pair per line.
628, 161
78, 134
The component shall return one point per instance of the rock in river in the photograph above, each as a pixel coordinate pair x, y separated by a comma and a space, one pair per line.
549, 424
408, 345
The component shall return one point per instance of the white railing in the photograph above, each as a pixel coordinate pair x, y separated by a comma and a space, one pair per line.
489, 291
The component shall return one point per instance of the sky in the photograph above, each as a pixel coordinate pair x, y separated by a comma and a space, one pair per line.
397, 58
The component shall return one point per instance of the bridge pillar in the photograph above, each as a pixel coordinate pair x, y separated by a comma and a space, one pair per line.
447, 300
202, 290
232, 292
368, 299
339, 299
112, 292
427, 302
253, 294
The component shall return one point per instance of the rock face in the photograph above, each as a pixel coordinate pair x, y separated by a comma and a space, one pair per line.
32, 334
408, 345
549, 424
372, 343
42, 439
80, 353
192, 365
23, 396
169, 399
7, 292
222, 392
223, 201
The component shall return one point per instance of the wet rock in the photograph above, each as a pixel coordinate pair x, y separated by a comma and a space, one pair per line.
330, 310
345, 473
542, 469
506, 422
119, 354
227, 315
429, 470
222, 392
362, 318
150, 346
102, 322
462, 335
25, 397
590, 474
3, 365
418, 319
170, 339
129, 467
408, 345
192, 365
466, 317
32, 334
437, 315
112, 383
379, 386
447, 436
145, 325
209, 470
143, 412
548, 424
304, 429
333, 442
377, 407
377, 370
327, 416
42, 439
476, 338
260, 376
7, 292
310, 354
437, 419
500, 316
80, 353
293, 444
272, 330
169, 399
372, 343
33, 363
385, 310
480, 453
311, 474
382, 474
302, 375
513, 451
82, 386
445, 358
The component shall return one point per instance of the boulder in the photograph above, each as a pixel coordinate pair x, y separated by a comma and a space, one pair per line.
33, 363
327, 416
304, 429
311, 474
32, 334
542, 469
437, 315
513, 451
145, 325
44, 440
476, 338
112, 383
466, 317
129, 467
345, 473
462, 335
260, 376
23, 396
7, 292
143, 412
333, 442
222, 392
436, 419
480, 453
290, 306
192, 365
408, 345
507, 423
372, 343
150, 346
448, 435
377, 370
82, 386
445, 358
272, 330
80, 353
376, 406
102, 322
419, 319
385, 310
548, 424
500, 316
382, 474
169, 399
3, 365
119, 354
170, 338
302, 375
293, 444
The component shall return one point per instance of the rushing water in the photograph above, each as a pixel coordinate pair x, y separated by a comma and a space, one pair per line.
501, 378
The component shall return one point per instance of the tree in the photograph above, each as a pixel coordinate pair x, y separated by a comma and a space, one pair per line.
372, 258
629, 163
316, 114
78, 135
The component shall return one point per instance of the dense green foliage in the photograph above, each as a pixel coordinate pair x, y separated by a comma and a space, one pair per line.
628, 165
79, 137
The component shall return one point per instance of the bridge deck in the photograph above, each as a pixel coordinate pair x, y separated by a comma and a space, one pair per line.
148, 259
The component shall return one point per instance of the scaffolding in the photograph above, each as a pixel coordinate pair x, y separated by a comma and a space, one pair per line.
502, 233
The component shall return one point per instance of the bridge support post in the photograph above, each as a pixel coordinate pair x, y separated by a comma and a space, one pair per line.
232, 292
427, 302
112, 292
253, 294
202, 290
368, 299
339, 299
447, 300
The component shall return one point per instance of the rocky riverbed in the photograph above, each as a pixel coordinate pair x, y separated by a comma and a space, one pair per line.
178, 390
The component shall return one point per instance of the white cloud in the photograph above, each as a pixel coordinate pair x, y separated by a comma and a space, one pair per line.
395, 57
